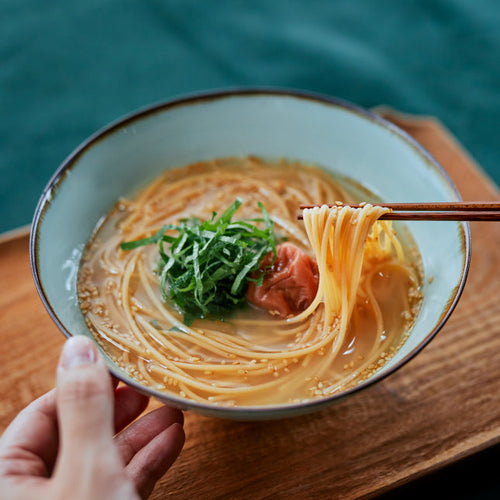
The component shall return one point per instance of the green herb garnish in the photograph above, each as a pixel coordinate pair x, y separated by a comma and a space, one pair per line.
205, 268
130, 245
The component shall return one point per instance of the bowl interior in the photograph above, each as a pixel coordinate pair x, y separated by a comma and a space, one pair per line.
128, 154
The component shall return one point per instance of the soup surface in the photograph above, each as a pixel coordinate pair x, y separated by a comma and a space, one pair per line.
250, 357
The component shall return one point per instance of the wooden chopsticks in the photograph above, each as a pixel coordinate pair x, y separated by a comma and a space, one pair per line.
436, 211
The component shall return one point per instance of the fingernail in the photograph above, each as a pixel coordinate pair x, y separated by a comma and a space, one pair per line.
78, 351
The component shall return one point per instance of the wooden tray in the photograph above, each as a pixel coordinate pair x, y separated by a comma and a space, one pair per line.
442, 406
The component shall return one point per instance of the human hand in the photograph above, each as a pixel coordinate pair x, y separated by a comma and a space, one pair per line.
63, 445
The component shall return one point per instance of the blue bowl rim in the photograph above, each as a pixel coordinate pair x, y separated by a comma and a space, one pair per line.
243, 412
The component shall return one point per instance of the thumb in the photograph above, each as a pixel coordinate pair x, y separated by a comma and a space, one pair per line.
84, 397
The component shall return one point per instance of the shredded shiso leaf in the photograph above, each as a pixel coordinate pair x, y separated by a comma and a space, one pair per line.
205, 266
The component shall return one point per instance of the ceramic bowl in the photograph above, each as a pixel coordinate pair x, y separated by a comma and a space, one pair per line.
315, 129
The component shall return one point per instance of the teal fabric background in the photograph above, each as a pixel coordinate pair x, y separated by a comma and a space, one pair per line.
69, 68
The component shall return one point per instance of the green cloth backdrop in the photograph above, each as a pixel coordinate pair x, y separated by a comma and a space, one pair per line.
69, 68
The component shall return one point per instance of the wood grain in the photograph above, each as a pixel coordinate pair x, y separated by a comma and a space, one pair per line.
443, 405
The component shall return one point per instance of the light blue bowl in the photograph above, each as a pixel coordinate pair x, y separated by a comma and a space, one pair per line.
129, 153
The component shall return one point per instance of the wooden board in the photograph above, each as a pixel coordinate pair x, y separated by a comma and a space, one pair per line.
443, 405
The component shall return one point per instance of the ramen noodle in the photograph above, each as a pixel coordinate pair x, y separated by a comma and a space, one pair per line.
359, 311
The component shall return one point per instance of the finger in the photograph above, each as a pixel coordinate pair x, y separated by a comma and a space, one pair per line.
150, 445
84, 398
142, 431
29, 444
129, 404
154, 459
